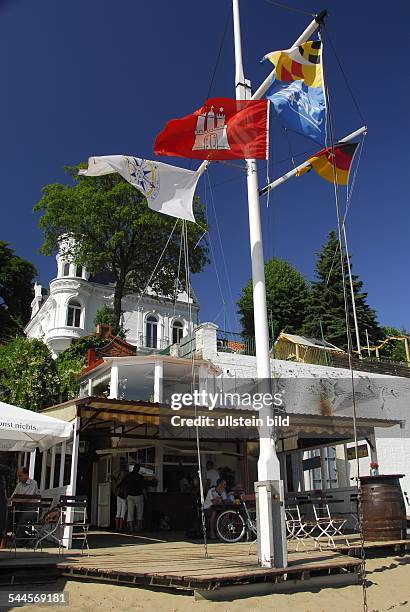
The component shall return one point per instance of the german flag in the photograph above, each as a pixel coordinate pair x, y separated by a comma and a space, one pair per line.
323, 162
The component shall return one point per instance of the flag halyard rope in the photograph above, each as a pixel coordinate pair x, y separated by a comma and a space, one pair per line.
349, 351
198, 449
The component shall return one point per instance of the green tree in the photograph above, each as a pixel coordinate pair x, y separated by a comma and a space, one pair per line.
114, 230
287, 295
28, 375
70, 362
16, 292
104, 316
327, 301
394, 349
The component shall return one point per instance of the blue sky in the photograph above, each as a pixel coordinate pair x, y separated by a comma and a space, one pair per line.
97, 77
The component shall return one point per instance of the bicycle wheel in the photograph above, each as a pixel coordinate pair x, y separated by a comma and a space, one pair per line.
230, 526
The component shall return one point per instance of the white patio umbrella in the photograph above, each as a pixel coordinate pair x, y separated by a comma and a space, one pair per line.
25, 430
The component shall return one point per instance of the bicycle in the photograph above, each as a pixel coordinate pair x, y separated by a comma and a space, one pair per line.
233, 523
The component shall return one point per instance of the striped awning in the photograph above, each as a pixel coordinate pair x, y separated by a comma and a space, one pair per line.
138, 413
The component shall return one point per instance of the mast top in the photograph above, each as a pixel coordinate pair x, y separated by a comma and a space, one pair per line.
319, 18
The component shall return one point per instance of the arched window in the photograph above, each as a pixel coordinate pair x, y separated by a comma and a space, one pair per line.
177, 331
74, 314
151, 331
66, 269
79, 271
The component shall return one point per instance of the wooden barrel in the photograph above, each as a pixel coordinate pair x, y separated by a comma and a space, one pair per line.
384, 511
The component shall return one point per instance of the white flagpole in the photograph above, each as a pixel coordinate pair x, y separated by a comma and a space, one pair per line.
305, 164
272, 544
263, 88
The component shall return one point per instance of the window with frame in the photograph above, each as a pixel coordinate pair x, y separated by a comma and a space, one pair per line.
177, 332
74, 314
66, 269
151, 331
79, 271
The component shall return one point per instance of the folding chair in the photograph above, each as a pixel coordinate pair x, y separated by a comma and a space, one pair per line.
25, 512
74, 514
326, 525
50, 523
297, 527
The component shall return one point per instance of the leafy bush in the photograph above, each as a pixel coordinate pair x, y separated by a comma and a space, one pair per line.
70, 362
28, 374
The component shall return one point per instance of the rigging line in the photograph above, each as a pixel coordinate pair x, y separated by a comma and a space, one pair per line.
348, 202
268, 149
186, 258
222, 252
219, 314
349, 349
218, 57
292, 9
233, 165
179, 269
200, 238
228, 19
229, 180
155, 269
292, 157
213, 252
343, 73
350, 191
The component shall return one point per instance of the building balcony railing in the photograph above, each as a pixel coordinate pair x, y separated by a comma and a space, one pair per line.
152, 344
232, 342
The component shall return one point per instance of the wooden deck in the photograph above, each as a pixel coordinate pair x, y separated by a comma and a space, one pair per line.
177, 564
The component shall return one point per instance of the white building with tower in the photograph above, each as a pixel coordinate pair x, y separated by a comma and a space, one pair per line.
66, 310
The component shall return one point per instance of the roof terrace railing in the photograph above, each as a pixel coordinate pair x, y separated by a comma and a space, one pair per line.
233, 342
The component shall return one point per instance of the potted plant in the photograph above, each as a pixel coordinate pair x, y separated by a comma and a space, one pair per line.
374, 468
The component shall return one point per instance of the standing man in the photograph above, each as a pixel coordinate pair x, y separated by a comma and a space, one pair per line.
134, 483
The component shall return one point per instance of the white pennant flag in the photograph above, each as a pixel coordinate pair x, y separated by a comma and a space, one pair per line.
168, 189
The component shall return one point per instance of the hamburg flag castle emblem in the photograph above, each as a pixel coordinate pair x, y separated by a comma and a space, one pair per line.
210, 131
221, 128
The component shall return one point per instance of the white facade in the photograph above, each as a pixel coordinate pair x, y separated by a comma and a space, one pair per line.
315, 452
67, 311
378, 397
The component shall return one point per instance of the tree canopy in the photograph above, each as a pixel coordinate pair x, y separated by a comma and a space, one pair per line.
16, 292
394, 349
28, 375
114, 230
327, 302
287, 295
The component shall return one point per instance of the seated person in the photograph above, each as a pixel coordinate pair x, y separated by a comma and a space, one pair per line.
215, 497
211, 476
236, 493
25, 486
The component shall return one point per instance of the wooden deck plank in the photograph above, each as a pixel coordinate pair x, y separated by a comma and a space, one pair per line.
184, 565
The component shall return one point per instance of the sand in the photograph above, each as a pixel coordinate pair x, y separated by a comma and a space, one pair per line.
389, 589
